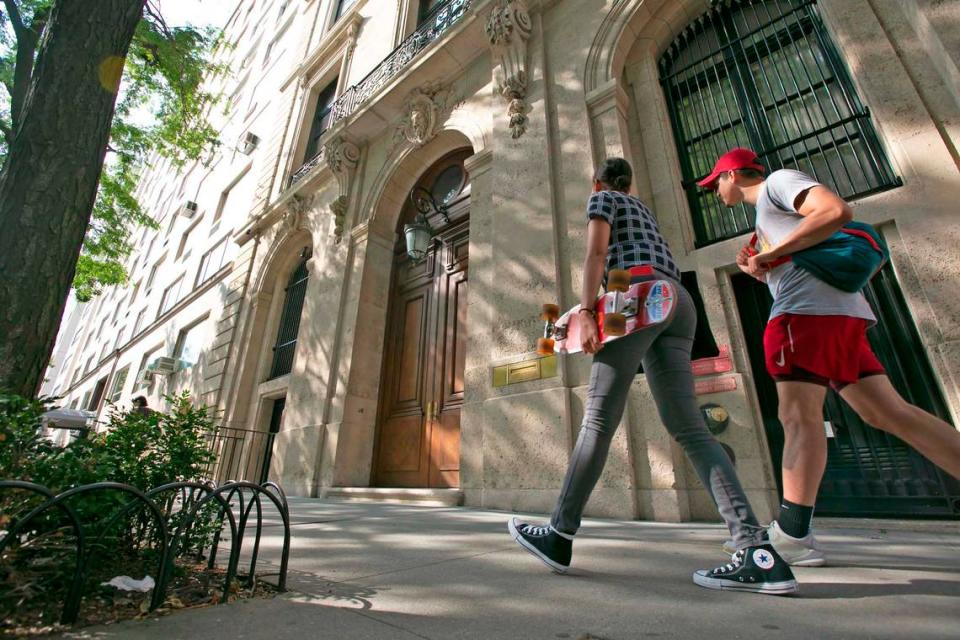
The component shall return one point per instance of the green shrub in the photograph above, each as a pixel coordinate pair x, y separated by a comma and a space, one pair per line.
144, 451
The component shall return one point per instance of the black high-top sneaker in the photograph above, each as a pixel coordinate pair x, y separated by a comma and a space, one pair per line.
548, 544
757, 569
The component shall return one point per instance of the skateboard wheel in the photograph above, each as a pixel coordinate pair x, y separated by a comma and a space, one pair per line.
618, 280
545, 346
614, 324
550, 312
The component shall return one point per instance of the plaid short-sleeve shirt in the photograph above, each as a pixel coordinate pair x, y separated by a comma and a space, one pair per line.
634, 236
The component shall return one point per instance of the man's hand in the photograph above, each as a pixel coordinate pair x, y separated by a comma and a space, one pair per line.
760, 263
752, 263
589, 335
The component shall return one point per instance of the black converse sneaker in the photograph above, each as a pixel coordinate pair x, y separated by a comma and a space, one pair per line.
548, 544
758, 569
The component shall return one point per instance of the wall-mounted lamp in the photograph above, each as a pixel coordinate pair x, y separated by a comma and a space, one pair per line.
419, 233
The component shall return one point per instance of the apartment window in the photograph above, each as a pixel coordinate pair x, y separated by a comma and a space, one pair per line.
133, 295
172, 223
119, 379
119, 338
766, 75
185, 242
266, 56
146, 256
211, 262
138, 325
236, 197
120, 305
153, 272
171, 296
190, 344
85, 403
342, 7
427, 7
321, 119
89, 366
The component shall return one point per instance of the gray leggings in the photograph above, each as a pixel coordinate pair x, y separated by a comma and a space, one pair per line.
665, 352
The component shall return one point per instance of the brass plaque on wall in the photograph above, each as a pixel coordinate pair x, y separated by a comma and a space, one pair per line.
524, 371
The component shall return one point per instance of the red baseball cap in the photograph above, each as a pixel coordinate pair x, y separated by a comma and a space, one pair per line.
738, 158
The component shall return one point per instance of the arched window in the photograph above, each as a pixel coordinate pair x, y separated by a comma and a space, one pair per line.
286, 344
764, 74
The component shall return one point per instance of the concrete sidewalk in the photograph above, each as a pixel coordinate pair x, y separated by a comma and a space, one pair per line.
377, 571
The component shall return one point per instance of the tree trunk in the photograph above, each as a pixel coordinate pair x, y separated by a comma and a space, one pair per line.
49, 183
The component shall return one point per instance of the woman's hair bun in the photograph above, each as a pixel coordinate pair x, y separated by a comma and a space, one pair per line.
616, 173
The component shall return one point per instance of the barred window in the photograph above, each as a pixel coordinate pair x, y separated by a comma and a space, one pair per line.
286, 344
765, 74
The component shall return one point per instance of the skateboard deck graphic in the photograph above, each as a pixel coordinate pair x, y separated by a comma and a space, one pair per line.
619, 313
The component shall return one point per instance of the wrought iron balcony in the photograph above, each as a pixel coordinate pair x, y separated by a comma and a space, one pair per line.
433, 26
307, 167
436, 23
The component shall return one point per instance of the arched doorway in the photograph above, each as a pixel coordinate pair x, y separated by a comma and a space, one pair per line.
422, 390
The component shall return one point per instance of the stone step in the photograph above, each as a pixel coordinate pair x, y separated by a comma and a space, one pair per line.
422, 497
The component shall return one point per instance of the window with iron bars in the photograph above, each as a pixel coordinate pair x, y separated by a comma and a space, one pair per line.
766, 75
286, 344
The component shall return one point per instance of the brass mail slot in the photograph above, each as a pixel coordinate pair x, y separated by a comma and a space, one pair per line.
524, 371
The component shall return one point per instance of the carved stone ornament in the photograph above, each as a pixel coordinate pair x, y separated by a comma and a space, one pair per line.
296, 212
423, 113
339, 210
508, 29
342, 155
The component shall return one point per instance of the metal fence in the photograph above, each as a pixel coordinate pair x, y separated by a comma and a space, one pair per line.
168, 520
241, 454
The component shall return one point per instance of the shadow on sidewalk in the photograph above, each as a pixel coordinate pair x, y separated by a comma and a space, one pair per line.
320, 590
854, 590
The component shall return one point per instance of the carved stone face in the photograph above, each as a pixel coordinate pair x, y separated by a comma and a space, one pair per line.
419, 122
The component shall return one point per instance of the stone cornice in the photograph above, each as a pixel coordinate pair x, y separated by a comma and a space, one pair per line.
346, 29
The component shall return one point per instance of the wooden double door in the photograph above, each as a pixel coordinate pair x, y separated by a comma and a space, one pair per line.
418, 434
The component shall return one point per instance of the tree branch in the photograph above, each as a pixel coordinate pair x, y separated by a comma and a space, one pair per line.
161, 23
18, 27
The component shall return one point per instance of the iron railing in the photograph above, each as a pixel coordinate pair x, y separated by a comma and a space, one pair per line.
241, 454
764, 74
172, 524
433, 25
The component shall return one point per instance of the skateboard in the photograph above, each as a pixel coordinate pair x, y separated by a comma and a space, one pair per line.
624, 309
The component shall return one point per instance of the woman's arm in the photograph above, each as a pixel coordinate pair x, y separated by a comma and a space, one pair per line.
598, 241
598, 238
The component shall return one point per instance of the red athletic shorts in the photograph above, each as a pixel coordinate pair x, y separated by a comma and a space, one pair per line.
827, 350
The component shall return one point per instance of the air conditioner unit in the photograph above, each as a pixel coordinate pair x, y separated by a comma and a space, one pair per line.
188, 209
163, 366
248, 143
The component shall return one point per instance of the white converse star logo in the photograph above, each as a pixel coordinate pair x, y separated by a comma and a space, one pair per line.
763, 559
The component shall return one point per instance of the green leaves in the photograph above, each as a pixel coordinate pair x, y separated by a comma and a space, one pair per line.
163, 76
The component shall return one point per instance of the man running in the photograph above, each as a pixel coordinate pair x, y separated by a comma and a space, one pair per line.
815, 338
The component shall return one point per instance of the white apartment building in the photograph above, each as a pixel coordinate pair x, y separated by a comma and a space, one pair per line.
280, 291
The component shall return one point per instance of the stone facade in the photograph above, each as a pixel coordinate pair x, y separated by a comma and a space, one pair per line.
539, 90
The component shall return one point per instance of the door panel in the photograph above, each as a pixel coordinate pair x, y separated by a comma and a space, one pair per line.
401, 455
418, 437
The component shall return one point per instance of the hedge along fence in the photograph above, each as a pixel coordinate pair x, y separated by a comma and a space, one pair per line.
125, 501
171, 520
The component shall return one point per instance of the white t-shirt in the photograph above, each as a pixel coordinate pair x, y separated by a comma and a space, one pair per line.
793, 289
